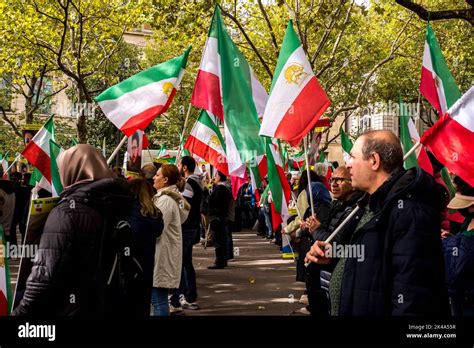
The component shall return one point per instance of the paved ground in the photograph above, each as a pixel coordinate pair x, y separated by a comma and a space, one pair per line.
258, 282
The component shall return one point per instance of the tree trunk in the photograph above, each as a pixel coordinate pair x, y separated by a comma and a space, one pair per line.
84, 101
29, 96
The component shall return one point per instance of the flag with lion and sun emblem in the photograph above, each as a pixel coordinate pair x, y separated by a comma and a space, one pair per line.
296, 100
205, 140
133, 103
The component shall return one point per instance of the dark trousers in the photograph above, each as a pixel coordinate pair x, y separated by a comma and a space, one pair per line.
187, 285
318, 302
219, 237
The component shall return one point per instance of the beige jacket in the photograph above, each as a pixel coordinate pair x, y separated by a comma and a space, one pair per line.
168, 250
302, 204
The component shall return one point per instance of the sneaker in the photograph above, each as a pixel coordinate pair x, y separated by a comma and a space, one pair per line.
304, 299
176, 310
305, 311
192, 306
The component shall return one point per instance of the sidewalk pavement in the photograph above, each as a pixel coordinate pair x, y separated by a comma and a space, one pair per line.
258, 282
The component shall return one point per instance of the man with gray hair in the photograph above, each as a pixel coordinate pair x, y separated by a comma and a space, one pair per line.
402, 271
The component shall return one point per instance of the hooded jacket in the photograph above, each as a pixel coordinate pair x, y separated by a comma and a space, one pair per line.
67, 262
402, 271
169, 249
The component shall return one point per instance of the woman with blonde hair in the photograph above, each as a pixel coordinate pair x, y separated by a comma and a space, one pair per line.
168, 252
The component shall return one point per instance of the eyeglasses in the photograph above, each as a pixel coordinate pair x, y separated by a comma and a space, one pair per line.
339, 180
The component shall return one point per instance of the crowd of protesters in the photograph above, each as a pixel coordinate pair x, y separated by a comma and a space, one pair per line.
416, 261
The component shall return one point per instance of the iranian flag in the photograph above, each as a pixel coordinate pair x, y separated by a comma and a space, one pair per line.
227, 87
205, 140
346, 145
296, 100
42, 152
5, 285
165, 157
132, 104
437, 84
408, 137
451, 137
299, 159
279, 187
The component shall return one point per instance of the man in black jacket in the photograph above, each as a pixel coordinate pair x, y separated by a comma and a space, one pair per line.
191, 232
345, 199
218, 215
401, 271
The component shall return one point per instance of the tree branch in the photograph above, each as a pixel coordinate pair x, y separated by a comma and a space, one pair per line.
328, 30
338, 40
10, 122
265, 65
466, 14
272, 34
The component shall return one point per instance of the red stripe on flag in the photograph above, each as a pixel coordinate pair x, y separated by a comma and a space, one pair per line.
237, 183
37, 157
429, 90
448, 141
304, 114
201, 149
207, 94
276, 218
144, 118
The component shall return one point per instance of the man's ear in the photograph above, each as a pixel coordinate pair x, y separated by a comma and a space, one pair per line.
375, 161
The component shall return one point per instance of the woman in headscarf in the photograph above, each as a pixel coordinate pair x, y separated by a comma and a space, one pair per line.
71, 261
168, 253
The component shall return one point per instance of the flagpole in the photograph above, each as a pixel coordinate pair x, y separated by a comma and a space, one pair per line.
117, 149
182, 133
305, 142
413, 149
14, 161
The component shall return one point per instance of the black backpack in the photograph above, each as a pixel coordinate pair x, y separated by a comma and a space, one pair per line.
118, 283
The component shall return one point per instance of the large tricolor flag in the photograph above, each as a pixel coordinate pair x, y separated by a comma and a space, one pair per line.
5, 285
296, 100
227, 87
42, 153
132, 104
346, 144
437, 84
408, 137
205, 140
451, 137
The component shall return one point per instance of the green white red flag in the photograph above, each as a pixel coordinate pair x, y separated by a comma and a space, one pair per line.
205, 140
346, 144
296, 100
437, 84
452, 135
409, 136
132, 104
42, 152
227, 87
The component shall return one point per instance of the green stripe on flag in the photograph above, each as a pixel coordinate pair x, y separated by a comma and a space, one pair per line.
240, 114
292, 43
55, 150
206, 120
156, 73
451, 90
405, 137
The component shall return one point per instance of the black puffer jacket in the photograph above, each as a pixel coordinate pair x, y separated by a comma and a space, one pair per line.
403, 270
338, 212
66, 268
